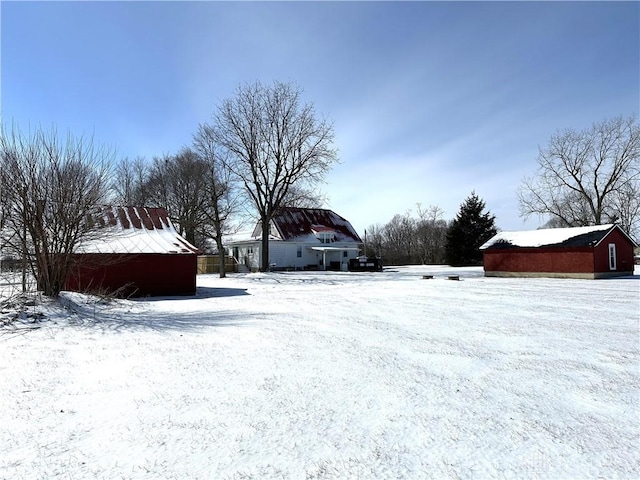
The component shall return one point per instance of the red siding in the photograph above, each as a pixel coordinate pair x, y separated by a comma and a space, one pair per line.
563, 260
581, 260
624, 253
140, 275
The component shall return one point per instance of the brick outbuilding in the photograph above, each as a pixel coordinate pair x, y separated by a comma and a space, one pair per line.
599, 251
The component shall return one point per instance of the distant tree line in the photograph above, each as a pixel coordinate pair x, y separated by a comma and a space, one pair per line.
410, 238
427, 238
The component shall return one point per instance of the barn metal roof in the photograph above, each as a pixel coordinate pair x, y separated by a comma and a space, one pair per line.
134, 230
551, 237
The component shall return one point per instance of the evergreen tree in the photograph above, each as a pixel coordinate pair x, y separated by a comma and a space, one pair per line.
468, 231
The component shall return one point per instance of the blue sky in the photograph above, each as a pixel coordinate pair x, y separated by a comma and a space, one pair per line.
430, 100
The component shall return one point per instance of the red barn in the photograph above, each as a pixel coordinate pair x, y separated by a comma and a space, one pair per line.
600, 251
137, 252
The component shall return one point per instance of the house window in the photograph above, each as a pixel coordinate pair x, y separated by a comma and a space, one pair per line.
345, 254
299, 252
612, 256
326, 237
249, 250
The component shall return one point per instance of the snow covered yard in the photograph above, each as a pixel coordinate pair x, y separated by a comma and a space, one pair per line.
331, 375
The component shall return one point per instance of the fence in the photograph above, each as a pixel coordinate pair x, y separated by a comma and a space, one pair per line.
211, 264
14, 283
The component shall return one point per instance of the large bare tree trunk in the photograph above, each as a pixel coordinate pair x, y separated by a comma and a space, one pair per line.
274, 146
264, 252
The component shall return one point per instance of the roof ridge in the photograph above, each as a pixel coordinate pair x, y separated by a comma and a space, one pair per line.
589, 235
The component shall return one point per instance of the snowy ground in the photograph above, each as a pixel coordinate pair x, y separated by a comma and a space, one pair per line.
331, 375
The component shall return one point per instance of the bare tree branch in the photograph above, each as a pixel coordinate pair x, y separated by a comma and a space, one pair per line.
49, 189
588, 177
221, 199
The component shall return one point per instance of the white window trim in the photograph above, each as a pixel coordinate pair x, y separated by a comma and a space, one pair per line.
612, 257
326, 237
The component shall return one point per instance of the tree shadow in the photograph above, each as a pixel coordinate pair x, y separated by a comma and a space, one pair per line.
201, 292
178, 322
183, 322
116, 315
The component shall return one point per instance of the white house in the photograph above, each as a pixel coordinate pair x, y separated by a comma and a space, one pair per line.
299, 239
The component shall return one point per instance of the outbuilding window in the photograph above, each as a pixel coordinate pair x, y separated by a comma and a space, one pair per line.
612, 256
299, 251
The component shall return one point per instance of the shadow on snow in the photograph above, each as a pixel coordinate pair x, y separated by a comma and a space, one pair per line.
131, 315
201, 292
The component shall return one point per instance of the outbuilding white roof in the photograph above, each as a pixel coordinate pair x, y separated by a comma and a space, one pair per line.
134, 230
544, 237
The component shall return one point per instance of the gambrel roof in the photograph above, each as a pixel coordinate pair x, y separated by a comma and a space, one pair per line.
134, 230
296, 223
552, 237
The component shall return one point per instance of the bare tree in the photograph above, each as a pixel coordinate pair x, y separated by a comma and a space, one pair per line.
304, 198
221, 200
431, 234
49, 187
178, 183
374, 239
274, 142
626, 205
193, 185
130, 183
400, 239
588, 177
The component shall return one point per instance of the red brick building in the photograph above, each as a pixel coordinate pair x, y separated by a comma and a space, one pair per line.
137, 252
600, 251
